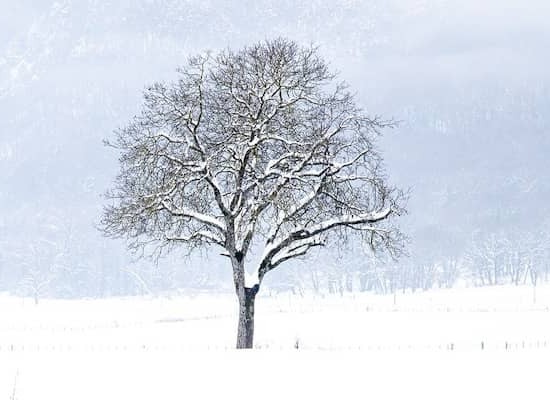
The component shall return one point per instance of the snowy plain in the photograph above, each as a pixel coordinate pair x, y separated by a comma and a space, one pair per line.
486, 343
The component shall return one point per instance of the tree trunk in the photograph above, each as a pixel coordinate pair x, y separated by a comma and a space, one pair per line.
245, 332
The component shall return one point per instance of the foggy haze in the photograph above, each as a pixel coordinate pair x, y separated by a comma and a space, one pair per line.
468, 83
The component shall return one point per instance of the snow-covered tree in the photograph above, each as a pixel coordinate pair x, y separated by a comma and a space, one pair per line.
257, 151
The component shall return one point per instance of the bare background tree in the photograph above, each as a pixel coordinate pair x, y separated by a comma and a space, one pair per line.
260, 152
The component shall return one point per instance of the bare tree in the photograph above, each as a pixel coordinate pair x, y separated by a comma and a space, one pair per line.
255, 149
485, 256
43, 262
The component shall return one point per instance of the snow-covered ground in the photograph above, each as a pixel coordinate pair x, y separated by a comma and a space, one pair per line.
461, 343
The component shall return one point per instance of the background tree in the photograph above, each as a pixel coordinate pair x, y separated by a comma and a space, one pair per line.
259, 152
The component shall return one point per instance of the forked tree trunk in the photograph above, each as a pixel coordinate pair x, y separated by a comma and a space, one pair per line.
245, 332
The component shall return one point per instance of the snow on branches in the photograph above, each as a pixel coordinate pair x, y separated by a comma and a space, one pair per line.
258, 147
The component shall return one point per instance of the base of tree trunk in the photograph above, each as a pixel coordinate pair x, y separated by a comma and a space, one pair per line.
245, 331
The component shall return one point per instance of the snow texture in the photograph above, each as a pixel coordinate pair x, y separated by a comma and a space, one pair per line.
456, 344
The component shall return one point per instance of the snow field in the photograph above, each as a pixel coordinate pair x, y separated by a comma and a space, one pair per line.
426, 345
276, 375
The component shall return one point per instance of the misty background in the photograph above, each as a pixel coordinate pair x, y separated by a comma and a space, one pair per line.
469, 83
